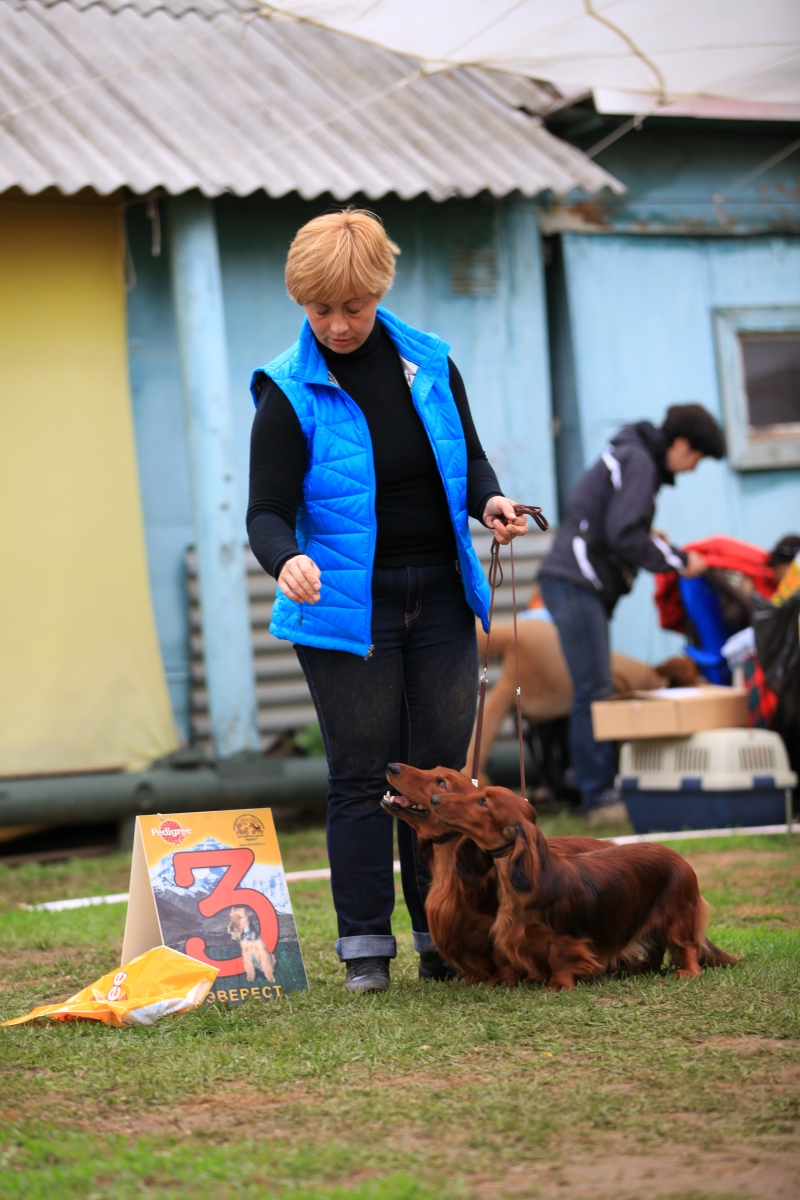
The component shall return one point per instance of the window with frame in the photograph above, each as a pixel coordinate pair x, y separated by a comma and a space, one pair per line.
759, 361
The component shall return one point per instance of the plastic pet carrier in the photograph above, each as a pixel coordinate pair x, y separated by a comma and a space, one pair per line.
717, 779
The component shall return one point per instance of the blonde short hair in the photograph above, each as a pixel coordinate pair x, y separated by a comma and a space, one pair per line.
339, 255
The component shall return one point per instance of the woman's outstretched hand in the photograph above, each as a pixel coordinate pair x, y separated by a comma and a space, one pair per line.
300, 579
499, 516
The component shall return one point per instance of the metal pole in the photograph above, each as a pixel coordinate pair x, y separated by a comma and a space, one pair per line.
200, 321
788, 801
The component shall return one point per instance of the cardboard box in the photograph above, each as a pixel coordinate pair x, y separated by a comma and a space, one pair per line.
669, 712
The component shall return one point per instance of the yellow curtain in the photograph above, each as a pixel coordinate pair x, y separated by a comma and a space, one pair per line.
81, 680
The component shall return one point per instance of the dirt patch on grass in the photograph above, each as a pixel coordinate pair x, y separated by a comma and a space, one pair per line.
724, 860
217, 1114
760, 912
751, 886
748, 1044
753, 870
39, 958
675, 1171
57, 974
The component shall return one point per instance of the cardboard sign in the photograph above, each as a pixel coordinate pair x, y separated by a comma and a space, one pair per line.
212, 885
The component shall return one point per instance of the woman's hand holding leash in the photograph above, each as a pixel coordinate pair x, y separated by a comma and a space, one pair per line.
300, 579
501, 516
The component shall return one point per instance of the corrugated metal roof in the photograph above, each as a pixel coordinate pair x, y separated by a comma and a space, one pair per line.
215, 95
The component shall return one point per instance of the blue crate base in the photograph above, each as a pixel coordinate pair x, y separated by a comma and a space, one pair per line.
663, 812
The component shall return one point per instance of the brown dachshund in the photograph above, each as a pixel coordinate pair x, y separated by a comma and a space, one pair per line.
462, 900
564, 918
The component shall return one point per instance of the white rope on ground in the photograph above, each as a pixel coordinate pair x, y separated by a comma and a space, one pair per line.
325, 872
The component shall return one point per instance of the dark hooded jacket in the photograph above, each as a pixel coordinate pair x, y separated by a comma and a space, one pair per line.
605, 537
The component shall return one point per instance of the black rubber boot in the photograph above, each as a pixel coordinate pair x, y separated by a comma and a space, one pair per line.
367, 975
433, 966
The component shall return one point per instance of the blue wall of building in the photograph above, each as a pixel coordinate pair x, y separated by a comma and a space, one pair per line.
498, 337
639, 312
685, 175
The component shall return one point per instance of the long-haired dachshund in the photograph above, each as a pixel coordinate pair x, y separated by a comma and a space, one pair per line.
564, 918
462, 900
243, 927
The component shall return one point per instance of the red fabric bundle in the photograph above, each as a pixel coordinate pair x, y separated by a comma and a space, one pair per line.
761, 700
722, 553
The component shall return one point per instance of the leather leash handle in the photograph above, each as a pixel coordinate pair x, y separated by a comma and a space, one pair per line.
495, 577
519, 685
495, 570
532, 510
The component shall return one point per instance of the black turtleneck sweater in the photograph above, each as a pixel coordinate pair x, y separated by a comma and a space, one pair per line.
414, 526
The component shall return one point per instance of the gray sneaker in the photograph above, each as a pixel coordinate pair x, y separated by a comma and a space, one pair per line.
367, 975
607, 814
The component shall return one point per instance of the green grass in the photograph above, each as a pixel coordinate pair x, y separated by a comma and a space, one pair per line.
430, 1091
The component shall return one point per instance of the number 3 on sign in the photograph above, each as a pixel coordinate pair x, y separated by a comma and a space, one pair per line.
237, 863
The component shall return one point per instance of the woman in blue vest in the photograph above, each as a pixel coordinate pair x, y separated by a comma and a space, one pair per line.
365, 466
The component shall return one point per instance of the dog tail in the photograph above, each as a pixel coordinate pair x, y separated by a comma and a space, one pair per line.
711, 956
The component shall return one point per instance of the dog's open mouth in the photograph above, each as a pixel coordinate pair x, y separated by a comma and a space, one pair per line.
395, 804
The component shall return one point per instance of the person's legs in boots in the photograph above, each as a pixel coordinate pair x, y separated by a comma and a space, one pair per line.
359, 704
440, 677
583, 630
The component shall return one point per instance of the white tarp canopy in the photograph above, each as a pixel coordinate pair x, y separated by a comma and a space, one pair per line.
669, 50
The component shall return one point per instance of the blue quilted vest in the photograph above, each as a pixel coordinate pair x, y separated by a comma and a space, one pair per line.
336, 523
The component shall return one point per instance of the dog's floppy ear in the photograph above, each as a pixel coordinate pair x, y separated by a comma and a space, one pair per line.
471, 861
521, 867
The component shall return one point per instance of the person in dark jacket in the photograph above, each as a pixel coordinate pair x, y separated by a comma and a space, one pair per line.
602, 542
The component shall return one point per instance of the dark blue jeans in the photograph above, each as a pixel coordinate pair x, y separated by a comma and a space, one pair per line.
583, 628
413, 701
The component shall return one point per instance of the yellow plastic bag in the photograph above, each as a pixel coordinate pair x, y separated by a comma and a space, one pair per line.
156, 983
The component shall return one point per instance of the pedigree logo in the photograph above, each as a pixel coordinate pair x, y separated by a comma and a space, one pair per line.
171, 832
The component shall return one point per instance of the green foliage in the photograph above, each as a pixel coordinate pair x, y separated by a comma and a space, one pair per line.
309, 741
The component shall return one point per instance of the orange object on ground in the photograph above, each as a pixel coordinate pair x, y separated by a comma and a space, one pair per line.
156, 983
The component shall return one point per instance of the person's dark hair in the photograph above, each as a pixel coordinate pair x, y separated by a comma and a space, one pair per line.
693, 422
786, 550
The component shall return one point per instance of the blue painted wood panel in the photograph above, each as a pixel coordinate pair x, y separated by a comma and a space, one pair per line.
640, 313
685, 176
498, 338
161, 452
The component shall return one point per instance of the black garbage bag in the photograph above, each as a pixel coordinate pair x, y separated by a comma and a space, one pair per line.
777, 632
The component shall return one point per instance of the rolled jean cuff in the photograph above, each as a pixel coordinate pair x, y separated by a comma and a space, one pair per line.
368, 945
422, 941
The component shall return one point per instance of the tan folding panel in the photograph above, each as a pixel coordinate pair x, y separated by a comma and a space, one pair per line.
81, 680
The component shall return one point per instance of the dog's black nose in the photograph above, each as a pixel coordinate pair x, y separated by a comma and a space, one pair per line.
393, 769
435, 801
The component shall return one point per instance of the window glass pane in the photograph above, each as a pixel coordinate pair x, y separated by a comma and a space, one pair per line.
772, 374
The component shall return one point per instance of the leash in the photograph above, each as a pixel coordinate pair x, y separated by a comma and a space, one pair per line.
495, 576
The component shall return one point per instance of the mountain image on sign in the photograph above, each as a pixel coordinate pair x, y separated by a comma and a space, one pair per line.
220, 901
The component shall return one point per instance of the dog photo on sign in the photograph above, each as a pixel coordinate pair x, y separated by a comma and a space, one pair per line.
244, 928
